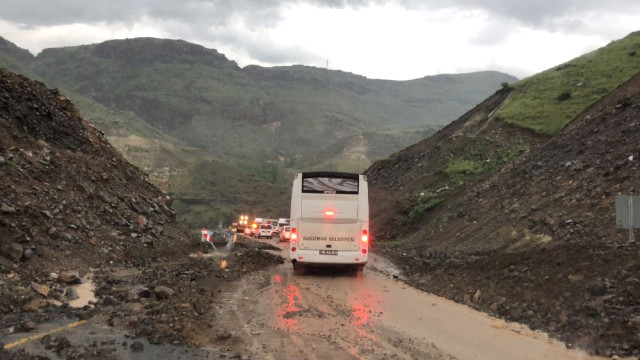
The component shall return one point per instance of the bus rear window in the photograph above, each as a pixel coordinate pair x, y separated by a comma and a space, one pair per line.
329, 185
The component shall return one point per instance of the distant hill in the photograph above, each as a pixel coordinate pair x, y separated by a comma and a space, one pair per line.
167, 103
14, 58
199, 97
215, 191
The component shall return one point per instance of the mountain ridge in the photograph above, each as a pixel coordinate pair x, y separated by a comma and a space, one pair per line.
290, 118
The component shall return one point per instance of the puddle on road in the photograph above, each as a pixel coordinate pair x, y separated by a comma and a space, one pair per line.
86, 294
93, 337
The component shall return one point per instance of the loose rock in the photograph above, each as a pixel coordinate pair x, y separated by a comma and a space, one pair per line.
71, 294
40, 289
69, 277
163, 292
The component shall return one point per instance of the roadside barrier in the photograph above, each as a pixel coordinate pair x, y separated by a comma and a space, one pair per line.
218, 237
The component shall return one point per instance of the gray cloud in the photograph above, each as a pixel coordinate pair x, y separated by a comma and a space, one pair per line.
239, 23
257, 14
31, 13
531, 12
264, 49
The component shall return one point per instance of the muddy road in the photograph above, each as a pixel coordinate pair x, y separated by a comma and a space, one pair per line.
330, 314
272, 313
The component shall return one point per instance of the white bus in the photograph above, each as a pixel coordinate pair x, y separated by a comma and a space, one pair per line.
329, 220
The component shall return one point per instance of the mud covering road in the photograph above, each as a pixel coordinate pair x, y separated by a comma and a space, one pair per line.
331, 314
272, 313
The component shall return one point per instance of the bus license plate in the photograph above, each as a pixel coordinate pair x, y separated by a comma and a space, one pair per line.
328, 252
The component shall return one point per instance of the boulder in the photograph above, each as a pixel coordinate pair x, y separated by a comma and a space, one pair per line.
69, 277
71, 294
162, 292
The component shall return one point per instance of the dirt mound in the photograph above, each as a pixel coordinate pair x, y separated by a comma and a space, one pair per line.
536, 242
72, 209
68, 198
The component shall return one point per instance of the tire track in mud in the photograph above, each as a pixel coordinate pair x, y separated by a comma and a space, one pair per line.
286, 316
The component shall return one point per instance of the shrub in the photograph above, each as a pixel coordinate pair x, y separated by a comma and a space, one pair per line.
462, 166
426, 203
565, 95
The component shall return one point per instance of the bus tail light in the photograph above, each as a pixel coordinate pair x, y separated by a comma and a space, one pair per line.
365, 236
294, 235
329, 213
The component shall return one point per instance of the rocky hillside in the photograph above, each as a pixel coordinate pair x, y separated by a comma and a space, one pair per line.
73, 209
167, 104
520, 225
68, 199
201, 98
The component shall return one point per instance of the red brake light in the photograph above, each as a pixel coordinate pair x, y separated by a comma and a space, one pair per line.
364, 236
329, 213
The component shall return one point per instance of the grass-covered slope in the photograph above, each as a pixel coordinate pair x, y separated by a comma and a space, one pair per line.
210, 191
547, 101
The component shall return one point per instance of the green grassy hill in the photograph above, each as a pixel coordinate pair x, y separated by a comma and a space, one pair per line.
547, 101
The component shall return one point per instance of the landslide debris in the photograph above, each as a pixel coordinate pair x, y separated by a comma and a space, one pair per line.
72, 210
68, 200
535, 241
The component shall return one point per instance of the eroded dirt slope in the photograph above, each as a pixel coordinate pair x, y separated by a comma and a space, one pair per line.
72, 209
535, 242
68, 198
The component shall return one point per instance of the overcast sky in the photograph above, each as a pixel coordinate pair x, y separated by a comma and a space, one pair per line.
398, 40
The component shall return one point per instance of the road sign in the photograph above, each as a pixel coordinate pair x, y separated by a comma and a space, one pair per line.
628, 213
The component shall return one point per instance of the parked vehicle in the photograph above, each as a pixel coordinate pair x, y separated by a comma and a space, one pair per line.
285, 233
253, 229
281, 224
265, 230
